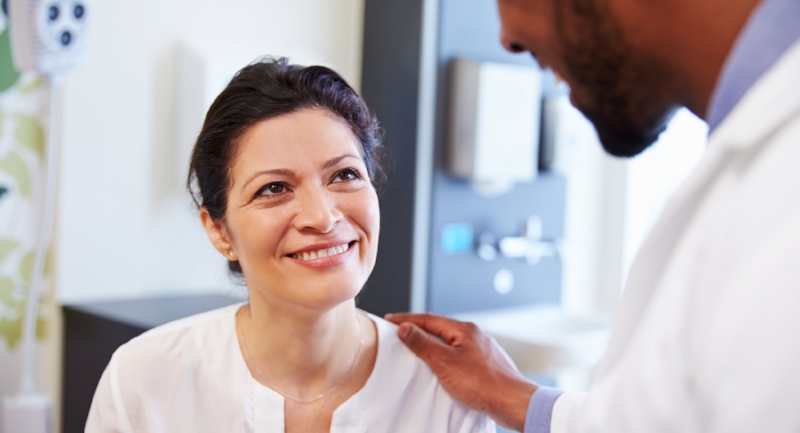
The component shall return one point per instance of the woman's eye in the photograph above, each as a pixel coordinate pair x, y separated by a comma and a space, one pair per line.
346, 174
272, 189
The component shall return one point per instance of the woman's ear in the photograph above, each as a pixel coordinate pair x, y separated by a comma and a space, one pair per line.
217, 235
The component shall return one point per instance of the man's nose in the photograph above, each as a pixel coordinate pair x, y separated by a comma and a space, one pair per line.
317, 211
509, 43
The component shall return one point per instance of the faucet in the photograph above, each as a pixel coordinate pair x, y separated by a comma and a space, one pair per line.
529, 246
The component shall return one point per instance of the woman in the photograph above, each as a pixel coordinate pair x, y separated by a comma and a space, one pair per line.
282, 172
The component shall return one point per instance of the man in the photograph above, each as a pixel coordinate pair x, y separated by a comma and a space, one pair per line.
707, 335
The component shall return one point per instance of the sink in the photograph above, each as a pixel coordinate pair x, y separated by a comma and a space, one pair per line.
545, 339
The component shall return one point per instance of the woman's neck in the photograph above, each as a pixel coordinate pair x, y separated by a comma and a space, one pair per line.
301, 353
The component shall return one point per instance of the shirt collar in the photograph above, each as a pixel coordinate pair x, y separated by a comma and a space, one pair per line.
770, 31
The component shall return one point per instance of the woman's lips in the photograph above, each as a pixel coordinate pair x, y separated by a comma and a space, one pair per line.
323, 257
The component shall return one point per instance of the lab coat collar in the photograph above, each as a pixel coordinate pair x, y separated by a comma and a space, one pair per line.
773, 100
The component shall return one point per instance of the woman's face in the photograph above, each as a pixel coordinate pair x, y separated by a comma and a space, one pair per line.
302, 215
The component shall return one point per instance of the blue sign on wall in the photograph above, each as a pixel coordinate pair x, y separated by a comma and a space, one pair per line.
457, 238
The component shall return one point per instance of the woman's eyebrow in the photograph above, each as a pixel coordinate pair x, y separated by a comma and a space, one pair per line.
287, 172
277, 171
337, 160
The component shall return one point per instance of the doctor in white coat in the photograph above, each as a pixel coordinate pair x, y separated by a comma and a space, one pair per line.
707, 335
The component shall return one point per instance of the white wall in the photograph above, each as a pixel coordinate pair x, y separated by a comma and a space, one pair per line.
594, 226
124, 229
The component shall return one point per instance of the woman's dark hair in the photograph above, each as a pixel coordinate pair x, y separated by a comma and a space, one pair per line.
266, 89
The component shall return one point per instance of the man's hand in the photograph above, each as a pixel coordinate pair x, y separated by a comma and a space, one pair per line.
469, 365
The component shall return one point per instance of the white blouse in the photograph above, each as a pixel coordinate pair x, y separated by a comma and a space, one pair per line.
190, 376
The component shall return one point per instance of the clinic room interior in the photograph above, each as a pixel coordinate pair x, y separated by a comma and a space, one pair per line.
498, 207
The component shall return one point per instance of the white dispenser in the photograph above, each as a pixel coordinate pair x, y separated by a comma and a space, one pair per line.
495, 112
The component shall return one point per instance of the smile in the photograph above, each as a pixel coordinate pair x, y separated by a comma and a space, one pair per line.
321, 253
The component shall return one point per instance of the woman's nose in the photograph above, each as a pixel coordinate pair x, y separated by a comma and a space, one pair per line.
317, 212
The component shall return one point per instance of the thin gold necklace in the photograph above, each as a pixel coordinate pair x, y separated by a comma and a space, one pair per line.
299, 400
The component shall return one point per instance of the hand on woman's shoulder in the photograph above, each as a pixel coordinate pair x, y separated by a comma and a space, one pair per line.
413, 392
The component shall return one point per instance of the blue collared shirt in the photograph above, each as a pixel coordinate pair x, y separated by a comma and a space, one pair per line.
540, 410
773, 27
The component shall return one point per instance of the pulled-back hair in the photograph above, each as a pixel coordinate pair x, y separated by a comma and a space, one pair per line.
266, 89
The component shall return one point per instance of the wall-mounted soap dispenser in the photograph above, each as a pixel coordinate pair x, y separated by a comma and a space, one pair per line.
494, 117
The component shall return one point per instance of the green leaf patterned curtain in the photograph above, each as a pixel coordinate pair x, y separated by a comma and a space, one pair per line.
23, 110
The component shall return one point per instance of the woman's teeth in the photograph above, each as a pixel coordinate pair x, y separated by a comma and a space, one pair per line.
325, 252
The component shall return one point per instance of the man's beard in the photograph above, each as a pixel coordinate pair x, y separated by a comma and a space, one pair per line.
626, 94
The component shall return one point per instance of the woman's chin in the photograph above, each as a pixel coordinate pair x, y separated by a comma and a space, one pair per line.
326, 299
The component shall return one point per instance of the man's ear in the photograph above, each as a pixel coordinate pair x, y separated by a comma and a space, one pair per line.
217, 235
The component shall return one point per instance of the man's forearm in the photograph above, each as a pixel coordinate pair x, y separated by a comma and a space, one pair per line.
509, 407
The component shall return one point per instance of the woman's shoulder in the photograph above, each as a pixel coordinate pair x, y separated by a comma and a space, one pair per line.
395, 363
169, 364
189, 342
389, 343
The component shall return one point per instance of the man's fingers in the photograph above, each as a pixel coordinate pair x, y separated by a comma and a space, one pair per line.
436, 325
420, 342
399, 318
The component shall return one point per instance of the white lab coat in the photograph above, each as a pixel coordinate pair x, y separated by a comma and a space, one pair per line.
189, 376
707, 335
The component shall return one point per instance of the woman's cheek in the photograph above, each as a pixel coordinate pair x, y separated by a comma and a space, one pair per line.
373, 214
